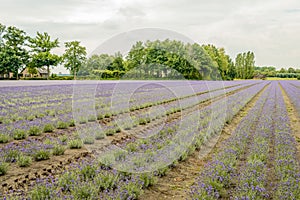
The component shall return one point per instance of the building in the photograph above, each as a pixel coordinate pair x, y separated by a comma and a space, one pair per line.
40, 73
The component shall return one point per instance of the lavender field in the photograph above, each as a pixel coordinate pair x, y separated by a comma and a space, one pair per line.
150, 140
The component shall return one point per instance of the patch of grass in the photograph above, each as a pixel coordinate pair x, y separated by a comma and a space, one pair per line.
75, 144
4, 138
19, 134
99, 135
110, 132
42, 154
48, 128
34, 131
89, 140
92, 118
24, 161
62, 125
3, 168
58, 150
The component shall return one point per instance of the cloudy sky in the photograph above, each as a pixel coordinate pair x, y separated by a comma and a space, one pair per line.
270, 28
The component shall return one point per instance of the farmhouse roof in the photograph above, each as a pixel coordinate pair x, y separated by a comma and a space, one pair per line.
42, 70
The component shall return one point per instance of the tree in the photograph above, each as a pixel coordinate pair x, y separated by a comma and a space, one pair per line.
244, 64
13, 54
42, 46
282, 70
74, 56
291, 70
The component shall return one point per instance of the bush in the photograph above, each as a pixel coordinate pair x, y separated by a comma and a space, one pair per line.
58, 150
20, 134
100, 116
92, 118
72, 123
142, 121
75, 144
42, 154
11, 155
62, 125
99, 135
24, 161
110, 132
41, 191
48, 128
63, 138
83, 120
298, 77
3, 168
107, 115
34, 131
4, 138
89, 140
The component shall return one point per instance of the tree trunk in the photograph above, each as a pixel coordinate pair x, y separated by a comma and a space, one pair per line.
74, 75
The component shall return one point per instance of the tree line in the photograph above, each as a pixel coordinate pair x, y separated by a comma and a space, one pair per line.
168, 59
18, 51
270, 71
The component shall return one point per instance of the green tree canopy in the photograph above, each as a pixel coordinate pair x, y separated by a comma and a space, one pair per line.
41, 46
74, 56
13, 53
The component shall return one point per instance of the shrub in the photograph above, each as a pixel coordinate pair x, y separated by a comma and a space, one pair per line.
89, 140
63, 138
42, 154
75, 144
3, 168
72, 123
4, 138
99, 116
107, 115
24, 161
110, 132
48, 128
34, 131
92, 118
31, 117
83, 120
62, 125
298, 77
19, 134
142, 121
88, 172
41, 191
99, 135
58, 150
11, 155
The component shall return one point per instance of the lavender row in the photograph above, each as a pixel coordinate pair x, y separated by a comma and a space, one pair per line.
287, 168
218, 174
252, 177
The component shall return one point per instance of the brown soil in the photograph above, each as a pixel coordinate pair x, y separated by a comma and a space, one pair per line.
177, 182
18, 178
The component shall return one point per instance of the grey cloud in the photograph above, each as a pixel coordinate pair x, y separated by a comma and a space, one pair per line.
266, 27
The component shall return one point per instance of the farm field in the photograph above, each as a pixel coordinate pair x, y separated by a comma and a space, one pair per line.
150, 139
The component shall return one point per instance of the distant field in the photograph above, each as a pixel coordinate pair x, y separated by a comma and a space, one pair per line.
276, 78
150, 139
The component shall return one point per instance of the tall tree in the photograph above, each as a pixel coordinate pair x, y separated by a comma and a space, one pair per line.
244, 64
219, 57
13, 55
42, 46
74, 56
